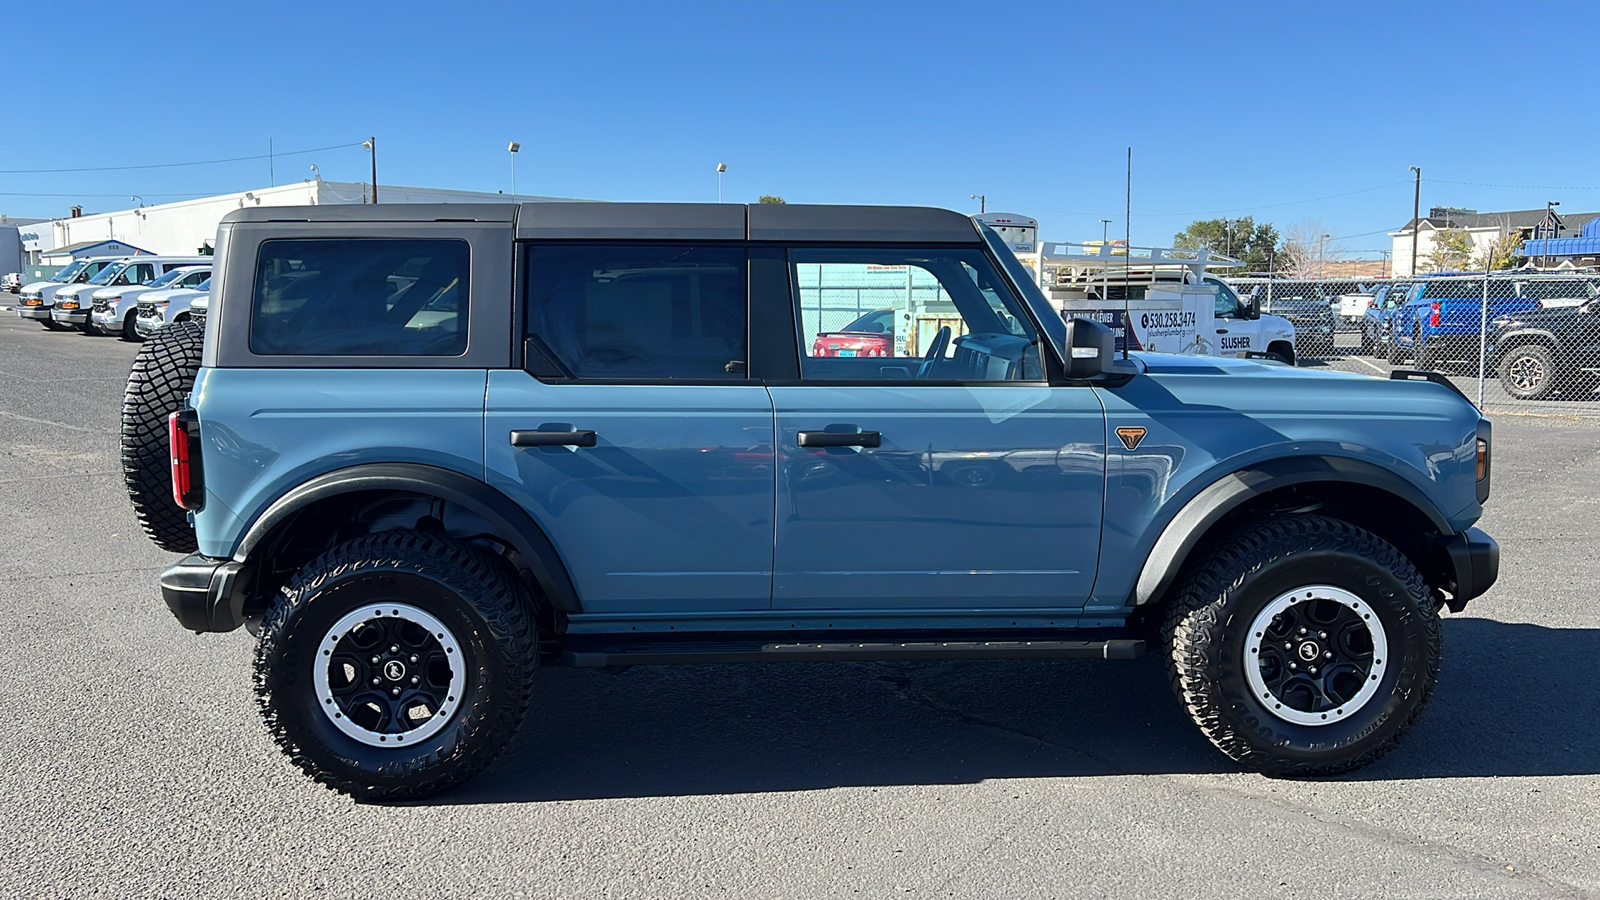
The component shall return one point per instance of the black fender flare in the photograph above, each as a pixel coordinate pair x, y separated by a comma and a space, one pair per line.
1510, 340
1205, 509
511, 521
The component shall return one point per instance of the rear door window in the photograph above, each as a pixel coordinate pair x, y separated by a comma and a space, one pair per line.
652, 312
360, 297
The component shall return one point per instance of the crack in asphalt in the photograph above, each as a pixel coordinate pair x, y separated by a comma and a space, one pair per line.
1398, 839
64, 475
24, 418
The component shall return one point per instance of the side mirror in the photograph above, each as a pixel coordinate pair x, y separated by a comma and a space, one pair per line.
1090, 349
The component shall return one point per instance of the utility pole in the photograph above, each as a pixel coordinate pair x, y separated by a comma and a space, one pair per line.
1416, 224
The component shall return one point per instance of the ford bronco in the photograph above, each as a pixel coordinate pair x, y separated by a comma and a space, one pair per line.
422, 450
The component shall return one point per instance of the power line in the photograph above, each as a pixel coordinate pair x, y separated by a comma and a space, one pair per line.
123, 194
1211, 212
1522, 187
203, 162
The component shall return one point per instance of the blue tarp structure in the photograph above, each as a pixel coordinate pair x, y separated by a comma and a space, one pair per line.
1587, 243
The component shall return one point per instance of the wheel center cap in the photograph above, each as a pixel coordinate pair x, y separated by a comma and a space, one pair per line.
394, 670
1309, 651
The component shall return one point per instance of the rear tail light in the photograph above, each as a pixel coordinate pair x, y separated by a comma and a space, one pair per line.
1433, 314
183, 436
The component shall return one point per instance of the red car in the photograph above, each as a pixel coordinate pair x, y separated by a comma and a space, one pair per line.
870, 335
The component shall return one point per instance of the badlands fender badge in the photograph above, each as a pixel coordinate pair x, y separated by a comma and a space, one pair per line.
1131, 435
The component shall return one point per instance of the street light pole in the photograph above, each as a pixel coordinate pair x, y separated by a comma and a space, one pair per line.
1322, 260
983, 202
1550, 229
371, 144
1105, 242
1416, 224
721, 167
512, 149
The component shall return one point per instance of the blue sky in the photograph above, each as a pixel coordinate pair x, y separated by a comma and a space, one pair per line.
1231, 109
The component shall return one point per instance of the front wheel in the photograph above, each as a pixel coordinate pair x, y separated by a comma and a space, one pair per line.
396, 665
1304, 646
53, 325
130, 327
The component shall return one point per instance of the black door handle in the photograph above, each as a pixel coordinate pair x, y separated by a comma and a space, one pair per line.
1222, 331
553, 439
840, 439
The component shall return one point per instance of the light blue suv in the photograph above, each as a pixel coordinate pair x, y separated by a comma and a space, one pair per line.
422, 450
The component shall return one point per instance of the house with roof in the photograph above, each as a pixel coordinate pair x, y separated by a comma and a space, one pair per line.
1483, 229
61, 256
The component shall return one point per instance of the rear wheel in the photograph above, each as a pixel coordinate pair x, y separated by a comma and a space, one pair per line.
1392, 351
1304, 646
396, 665
1426, 357
163, 374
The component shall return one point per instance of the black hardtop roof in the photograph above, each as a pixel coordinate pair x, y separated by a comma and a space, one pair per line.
658, 221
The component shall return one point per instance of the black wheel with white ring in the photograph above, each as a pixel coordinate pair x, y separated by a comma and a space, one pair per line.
1303, 645
396, 665
390, 673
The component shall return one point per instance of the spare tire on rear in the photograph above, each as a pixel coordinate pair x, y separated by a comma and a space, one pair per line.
163, 374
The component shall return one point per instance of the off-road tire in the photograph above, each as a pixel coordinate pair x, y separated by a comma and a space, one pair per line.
464, 588
1236, 577
163, 374
1516, 365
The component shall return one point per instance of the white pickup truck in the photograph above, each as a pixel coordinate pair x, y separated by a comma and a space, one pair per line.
1158, 299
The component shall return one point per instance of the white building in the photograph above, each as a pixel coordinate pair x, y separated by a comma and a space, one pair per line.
1484, 229
186, 226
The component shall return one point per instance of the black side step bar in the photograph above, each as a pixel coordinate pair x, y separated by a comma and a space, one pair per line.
649, 653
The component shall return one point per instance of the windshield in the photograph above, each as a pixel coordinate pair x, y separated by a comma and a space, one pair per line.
66, 274
1055, 328
108, 273
168, 278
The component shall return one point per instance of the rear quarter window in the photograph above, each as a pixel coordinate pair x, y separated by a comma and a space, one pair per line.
360, 297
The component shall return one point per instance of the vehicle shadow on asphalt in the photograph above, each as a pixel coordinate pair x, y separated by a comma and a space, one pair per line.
1513, 700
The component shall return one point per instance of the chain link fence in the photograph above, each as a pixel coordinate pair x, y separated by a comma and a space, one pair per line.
1513, 342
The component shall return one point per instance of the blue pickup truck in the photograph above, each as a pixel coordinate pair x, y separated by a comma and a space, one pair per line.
422, 451
1444, 320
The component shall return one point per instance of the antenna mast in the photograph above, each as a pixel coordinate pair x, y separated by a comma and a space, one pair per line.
1127, 260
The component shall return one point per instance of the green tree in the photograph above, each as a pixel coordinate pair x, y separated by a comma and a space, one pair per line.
1452, 250
772, 198
1502, 254
1242, 239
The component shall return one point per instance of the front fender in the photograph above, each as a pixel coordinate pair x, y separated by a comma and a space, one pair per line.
1185, 529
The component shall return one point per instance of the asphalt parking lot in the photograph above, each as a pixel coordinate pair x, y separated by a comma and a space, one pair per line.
134, 763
